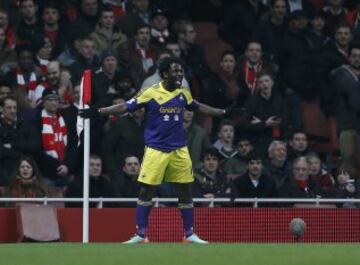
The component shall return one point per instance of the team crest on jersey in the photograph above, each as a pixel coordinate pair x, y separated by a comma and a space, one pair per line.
131, 101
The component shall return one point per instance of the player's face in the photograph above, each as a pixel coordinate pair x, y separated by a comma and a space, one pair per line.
255, 167
175, 75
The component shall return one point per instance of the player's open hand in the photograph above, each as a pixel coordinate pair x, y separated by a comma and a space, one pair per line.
91, 112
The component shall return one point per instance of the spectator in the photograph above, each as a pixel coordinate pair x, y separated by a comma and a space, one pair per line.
126, 182
255, 184
17, 138
103, 82
159, 24
197, 139
5, 91
27, 181
335, 13
139, 14
29, 25
278, 166
352, 17
87, 59
155, 78
210, 180
106, 34
4, 24
346, 84
265, 114
322, 181
347, 188
174, 48
57, 157
271, 30
298, 145
42, 48
239, 23
99, 184
7, 54
298, 185
236, 166
124, 137
225, 142
125, 85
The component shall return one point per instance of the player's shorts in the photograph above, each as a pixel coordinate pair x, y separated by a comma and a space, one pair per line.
158, 166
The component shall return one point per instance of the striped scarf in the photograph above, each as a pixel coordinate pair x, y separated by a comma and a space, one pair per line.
250, 75
54, 135
30, 86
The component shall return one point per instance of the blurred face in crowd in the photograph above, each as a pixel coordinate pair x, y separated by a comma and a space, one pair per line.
189, 34
132, 166
278, 153
87, 49
89, 7
143, 37
343, 177
254, 52
299, 142
159, 22
343, 36
265, 84
95, 167
318, 23
107, 19
26, 170
53, 73
210, 163
45, 51
4, 91
301, 169
335, 3
228, 63
2, 38
50, 16
141, 5
188, 118
244, 147
355, 58
175, 49
9, 110
299, 23
4, 20
28, 9
26, 60
255, 168
279, 9
314, 166
162, 56
226, 133
75, 96
51, 105
109, 65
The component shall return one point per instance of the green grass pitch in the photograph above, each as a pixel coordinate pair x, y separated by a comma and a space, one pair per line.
176, 254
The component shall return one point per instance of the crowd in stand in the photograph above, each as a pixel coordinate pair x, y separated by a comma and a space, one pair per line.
280, 54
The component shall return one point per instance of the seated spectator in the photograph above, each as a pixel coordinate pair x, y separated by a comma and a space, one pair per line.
347, 188
225, 141
278, 166
7, 54
17, 138
265, 115
197, 139
236, 166
27, 181
298, 186
99, 184
254, 184
159, 24
298, 145
57, 158
210, 180
106, 35
126, 184
156, 78
321, 180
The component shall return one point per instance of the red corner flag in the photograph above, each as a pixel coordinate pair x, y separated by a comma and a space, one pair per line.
85, 98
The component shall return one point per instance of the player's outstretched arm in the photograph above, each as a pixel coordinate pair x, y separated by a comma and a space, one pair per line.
206, 109
94, 112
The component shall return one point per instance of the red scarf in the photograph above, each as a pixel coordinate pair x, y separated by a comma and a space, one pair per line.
250, 75
54, 135
302, 184
31, 85
147, 57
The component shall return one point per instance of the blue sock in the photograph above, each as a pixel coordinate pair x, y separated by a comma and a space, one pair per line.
188, 220
142, 218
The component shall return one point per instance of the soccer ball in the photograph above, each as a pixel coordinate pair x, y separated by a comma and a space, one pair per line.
297, 227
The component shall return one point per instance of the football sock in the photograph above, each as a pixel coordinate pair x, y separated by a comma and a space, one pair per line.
142, 217
188, 220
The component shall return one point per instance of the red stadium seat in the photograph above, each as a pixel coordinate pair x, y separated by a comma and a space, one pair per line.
214, 48
205, 31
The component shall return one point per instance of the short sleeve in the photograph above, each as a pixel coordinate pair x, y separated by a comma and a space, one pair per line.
139, 100
191, 104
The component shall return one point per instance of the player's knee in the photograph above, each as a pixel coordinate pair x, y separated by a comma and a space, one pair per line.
147, 193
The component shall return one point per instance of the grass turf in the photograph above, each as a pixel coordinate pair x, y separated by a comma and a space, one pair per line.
176, 254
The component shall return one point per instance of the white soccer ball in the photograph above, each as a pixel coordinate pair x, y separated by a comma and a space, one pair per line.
297, 227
